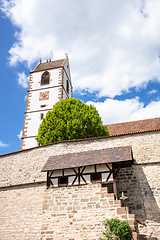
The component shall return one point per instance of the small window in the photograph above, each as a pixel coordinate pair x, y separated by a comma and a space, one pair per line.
41, 116
95, 177
67, 86
42, 106
45, 78
62, 181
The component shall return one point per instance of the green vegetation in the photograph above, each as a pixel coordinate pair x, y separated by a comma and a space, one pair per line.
116, 230
70, 119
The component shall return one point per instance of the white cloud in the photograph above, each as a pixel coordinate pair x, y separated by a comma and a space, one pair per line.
112, 45
114, 111
150, 111
23, 80
25, 98
3, 144
152, 92
20, 135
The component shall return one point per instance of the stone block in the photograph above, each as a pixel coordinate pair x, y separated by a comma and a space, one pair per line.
117, 202
45, 206
94, 199
121, 211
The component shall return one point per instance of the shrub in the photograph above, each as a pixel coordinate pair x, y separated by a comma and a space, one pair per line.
116, 230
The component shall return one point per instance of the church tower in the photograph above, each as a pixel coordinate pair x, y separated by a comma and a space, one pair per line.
49, 83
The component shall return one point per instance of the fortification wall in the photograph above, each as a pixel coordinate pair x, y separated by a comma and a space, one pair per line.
21, 212
78, 212
22, 189
25, 166
141, 184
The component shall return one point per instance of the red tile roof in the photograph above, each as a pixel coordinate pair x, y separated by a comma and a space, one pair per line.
147, 125
87, 158
49, 65
117, 129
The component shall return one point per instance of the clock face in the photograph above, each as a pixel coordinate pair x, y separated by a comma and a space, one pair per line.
44, 95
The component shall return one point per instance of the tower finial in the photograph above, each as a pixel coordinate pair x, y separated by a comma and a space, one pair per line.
66, 55
40, 60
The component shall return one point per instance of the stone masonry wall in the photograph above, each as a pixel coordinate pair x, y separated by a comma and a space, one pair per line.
22, 198
34, 212
21, 212
141, 184
77, 212
25, 166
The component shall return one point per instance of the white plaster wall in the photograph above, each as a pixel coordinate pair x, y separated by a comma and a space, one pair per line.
88, 170
33, 122
103, 167
33, 115
53, 79
30, 142
35, 104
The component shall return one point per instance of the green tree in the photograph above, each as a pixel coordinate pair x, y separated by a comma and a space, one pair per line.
70, 119
117, 230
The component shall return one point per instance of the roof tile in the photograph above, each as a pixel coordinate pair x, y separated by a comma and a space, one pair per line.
49, 65
147, 125
72, 160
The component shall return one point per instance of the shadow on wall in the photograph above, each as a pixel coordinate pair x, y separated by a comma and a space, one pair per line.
141, 200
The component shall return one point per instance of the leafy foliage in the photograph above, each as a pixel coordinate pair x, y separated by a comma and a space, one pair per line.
70, 119
117, 230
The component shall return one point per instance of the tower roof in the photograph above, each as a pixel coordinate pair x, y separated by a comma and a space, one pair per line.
41, 66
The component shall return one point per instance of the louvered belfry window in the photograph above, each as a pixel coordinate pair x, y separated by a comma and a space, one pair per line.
45, 78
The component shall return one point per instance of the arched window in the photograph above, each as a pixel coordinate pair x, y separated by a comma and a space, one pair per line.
45, 78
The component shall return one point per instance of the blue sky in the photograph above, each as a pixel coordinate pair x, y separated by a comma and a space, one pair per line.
113, 49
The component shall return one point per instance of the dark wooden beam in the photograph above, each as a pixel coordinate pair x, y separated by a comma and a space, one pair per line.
74, 180
109, 176
51, 173
120, 166
76, 174
108, 167
79, 174
114, 182
83, 179
48, 180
